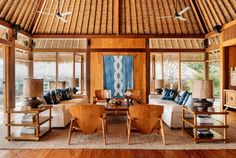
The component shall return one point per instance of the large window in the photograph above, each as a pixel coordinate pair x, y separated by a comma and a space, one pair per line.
191, 71
65, 67
214, 75
1, 77
45, 67
21, 72
170, 69
179, 68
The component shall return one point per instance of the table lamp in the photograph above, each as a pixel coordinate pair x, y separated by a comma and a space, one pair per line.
202, 90
159, 84
32, 89
74, 83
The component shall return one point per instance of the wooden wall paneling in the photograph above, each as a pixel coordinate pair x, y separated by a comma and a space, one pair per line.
232, 62
117, 43
96, 72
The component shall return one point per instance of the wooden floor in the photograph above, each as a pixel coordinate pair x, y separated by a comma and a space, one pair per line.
91, 153
118, 154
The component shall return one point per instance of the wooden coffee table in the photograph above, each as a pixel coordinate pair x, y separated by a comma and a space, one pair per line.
116, 110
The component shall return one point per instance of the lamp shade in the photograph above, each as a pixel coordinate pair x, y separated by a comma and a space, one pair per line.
32, 88
74, 82
202, 89
159, 84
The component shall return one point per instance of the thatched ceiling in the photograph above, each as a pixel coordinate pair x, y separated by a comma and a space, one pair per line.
100, 16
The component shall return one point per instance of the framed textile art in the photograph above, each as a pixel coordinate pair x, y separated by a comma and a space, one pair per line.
118, 74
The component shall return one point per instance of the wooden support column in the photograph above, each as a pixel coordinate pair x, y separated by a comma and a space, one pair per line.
57, 62
148, 73
88, 72
82, 74
10, 72
206, 70
31, 65
73, 75
222, 71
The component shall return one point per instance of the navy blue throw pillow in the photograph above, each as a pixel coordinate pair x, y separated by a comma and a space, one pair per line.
54, 97
169, 94
181, 99
47, 97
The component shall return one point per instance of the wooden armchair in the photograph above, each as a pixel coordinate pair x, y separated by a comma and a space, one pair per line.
100, 95
135, 96
88, 119
145, 119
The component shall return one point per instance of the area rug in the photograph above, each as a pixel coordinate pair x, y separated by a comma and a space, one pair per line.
116, 139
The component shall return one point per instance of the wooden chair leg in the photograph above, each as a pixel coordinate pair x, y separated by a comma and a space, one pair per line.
70, 131
162, 132
129, 131
104, 131
106, 126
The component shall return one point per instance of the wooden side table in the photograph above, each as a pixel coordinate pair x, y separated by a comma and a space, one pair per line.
194, 126
40, 120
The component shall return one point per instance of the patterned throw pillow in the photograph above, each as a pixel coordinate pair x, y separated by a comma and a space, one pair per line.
169, 94
182, 98
47, 98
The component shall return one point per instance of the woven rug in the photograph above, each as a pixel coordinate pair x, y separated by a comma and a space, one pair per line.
116, 139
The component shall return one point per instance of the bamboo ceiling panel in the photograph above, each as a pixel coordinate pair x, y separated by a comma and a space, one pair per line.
60, 43
95, 17
176, 43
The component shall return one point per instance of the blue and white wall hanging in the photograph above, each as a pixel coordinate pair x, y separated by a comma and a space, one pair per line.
118, 74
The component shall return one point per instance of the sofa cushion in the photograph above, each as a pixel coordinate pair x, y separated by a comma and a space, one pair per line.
188, 101
55, 97
182, 98
169, 94
47, 97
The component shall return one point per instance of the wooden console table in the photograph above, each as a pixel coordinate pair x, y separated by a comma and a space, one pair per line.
194, 126
39, 121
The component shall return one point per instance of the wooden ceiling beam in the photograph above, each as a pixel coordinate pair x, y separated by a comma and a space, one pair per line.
9, 26
198, 16
118, 17
142, 50
35, 20
193, 36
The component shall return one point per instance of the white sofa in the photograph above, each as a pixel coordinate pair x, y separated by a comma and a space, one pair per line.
172, 115
60, 112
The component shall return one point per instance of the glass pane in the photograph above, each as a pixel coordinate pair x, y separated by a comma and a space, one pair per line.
65, 67
46, 71
158, 66
170, 68
214, 73
191, 71
1, 78
21, 72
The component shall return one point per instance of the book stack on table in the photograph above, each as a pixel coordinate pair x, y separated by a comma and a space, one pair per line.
204, 119
27, 131
204, 133
28, 118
